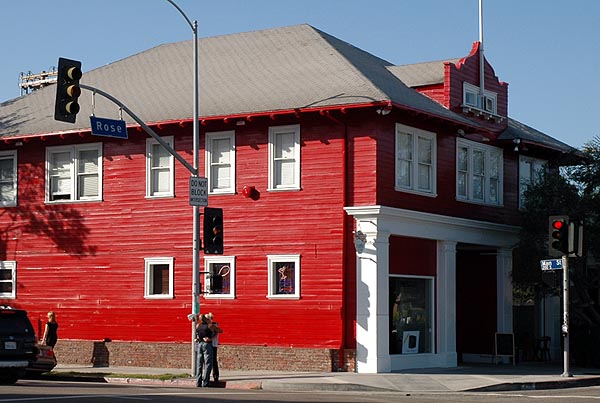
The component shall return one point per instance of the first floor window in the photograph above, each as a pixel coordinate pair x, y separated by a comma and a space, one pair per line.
219, 277
8, 178
160, 169
8, 279
284, 157
159, 278
411, 315
415, 159
74, 172
284, 276
478, 173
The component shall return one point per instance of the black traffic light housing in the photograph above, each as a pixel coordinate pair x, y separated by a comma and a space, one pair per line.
67, 90
213, 231
558, 235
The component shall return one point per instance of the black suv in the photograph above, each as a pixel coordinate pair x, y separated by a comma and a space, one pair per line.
17, 343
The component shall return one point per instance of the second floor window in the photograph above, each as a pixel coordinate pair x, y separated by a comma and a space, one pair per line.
74, 172
415, 159
220, 162
8, 178
160, 170
530, 171
284, 157
478, 173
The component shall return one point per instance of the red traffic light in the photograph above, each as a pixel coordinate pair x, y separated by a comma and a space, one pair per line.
558, 224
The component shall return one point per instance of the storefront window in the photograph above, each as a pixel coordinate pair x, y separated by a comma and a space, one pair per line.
411, 315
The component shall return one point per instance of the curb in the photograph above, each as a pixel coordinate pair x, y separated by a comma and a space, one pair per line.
542, 385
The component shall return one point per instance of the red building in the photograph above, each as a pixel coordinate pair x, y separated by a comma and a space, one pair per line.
374, 232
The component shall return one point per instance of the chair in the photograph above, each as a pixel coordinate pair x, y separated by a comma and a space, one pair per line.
542, 348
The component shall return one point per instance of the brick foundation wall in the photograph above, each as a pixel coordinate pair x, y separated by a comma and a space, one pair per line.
178, 355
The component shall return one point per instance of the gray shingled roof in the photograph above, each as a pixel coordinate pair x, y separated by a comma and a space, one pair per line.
419, 74
253, 72
518, 130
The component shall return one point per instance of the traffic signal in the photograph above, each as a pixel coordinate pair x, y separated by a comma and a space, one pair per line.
213, 231
576, 238
67, 90
558, 235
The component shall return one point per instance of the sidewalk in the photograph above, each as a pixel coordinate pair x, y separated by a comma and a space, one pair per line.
527, 376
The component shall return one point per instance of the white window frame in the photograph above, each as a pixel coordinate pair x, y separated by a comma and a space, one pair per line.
486, 177
12, 199
150, 191
413, 161
73, 174
149, 264
212, 165
529, 172
230, 261
472, 98
272, 260
12, 266
274, 173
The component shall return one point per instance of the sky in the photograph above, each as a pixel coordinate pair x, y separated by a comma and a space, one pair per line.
548, 51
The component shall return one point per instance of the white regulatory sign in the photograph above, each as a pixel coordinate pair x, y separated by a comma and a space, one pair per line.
198, 191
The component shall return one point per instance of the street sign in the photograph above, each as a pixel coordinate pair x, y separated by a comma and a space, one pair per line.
108, 127
551, 264
198, 191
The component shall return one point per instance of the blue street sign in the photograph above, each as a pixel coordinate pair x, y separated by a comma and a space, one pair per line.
551, 264
108, 127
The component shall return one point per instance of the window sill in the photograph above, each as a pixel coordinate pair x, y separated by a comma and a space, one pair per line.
416, 192
287, 296
161, 196
221, 192
287, 189
73, 201
158, 297
219, 296
480, 203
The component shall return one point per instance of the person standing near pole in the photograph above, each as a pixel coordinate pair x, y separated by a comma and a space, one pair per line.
215, 344
205, 352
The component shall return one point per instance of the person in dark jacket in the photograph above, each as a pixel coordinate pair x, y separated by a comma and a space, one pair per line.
204, 354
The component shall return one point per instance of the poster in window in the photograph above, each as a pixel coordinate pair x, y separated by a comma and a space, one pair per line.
285, 277
410, 342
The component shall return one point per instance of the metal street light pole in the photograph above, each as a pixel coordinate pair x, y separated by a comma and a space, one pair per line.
196, 209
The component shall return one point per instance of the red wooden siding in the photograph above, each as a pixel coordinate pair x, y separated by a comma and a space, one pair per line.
86, 260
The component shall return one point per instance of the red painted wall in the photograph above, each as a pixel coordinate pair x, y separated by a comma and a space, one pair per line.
86, 260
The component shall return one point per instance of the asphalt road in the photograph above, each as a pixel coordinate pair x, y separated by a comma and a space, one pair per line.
75, 392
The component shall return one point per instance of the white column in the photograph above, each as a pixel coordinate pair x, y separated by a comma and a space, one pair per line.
446, 303
372, 288
504, 290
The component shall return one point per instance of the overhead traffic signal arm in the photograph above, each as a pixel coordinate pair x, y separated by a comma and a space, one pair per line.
67, 90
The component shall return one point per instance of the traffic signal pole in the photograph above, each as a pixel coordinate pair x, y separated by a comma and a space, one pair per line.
565, 325
196, 223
